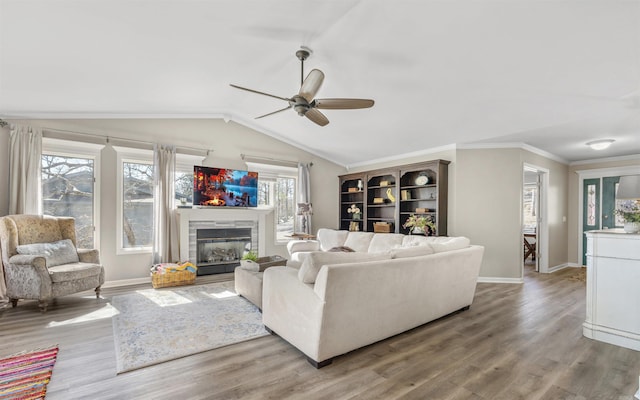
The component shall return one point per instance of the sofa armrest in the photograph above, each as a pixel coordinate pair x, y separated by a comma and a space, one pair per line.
27, 277
89, 256
295, 246
292, 309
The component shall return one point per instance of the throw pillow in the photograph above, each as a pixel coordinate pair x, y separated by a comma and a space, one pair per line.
343, 249
55, 253
315, 260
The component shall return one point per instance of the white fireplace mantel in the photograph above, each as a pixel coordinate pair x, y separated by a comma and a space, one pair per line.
186, 215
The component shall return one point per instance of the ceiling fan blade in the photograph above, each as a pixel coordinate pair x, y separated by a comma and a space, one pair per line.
275, 112
316, 116
311, 84
255, 91
342, 104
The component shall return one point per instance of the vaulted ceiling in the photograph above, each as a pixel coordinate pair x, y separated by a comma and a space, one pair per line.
550, 74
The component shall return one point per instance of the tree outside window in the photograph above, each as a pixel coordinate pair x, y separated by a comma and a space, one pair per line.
137, 210
68, 191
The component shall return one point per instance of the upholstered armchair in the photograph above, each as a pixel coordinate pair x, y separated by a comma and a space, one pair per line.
41, 262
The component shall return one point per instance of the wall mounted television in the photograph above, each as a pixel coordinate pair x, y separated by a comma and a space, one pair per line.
224, 187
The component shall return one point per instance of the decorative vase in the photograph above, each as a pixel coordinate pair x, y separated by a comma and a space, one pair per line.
357, 216
632, 227
417, 231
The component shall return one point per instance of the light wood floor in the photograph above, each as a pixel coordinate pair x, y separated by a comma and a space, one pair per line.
516, 342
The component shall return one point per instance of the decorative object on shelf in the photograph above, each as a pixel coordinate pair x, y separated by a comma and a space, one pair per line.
353, 190
304, 210
420, 224
422, 180
355, 212
405, 195
382, 227
378, 200
354, 226
422, 210
629, 211
360, 184
384, 183
390, 195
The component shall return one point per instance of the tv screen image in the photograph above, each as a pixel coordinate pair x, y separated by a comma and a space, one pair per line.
224, 187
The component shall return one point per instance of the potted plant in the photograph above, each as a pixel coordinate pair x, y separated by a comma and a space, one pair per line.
249, 260
629, 211
420, 224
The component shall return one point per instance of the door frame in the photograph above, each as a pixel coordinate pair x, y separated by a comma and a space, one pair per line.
591, 174
542, 237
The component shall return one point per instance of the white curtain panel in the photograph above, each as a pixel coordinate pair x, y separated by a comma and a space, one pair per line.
304, 193
25, 153
165, 231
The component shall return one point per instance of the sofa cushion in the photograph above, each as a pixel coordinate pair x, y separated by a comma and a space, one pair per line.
359, 241
453, 243
55, 253
415, 240
74, 271
314, 261
382, 242
412, 251
330, 238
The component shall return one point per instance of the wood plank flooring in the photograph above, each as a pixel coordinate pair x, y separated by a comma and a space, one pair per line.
516, 342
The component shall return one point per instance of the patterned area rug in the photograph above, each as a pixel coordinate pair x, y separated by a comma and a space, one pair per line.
26, 375
158, 325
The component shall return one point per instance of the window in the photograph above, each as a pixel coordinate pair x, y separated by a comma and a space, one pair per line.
277, 188
134, 227
184, 178
69, 187
137, 204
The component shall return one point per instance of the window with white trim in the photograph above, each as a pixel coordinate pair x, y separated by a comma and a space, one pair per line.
70, 187
277, 187
134, 232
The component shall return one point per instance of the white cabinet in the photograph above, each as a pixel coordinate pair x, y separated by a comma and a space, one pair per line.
613, 288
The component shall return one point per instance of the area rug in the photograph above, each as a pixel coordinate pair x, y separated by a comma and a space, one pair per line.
26, 375
157, 325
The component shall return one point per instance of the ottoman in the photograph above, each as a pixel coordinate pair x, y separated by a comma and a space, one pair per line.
248, 278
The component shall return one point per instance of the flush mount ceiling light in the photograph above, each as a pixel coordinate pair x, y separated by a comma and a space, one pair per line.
600, 144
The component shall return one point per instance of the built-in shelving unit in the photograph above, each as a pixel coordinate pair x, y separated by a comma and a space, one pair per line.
387, 197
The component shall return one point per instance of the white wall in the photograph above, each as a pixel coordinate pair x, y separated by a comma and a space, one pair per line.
227, 140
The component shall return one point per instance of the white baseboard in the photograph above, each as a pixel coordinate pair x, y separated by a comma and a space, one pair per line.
486, 279
563, 266
126, 282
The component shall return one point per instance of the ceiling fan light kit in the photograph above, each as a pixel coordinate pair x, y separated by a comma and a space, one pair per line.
304, 102
600, 144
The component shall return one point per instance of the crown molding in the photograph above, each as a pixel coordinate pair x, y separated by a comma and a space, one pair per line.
399, 157
514, 145
607, 159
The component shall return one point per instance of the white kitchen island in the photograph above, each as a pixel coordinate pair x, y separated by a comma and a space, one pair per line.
613, 288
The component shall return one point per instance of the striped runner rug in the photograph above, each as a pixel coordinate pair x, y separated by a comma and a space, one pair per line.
26, 375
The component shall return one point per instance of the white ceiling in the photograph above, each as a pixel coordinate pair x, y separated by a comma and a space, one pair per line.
551, 74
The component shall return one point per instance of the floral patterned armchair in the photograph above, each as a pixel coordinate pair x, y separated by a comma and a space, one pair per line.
41, 262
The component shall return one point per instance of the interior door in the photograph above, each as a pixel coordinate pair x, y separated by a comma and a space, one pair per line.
609, 185
590, 211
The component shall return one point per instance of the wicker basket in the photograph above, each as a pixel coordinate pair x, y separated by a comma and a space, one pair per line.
169, 279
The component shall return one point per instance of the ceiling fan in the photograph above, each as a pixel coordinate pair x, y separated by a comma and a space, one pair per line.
304, 103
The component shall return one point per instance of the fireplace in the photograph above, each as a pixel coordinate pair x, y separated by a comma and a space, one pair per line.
220, 250
191, 220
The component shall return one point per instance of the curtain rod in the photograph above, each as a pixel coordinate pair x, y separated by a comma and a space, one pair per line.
109, 137
247, 157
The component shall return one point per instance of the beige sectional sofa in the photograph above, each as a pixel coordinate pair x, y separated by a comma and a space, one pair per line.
336, 302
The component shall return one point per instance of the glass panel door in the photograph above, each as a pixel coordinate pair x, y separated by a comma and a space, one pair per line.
591, 211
